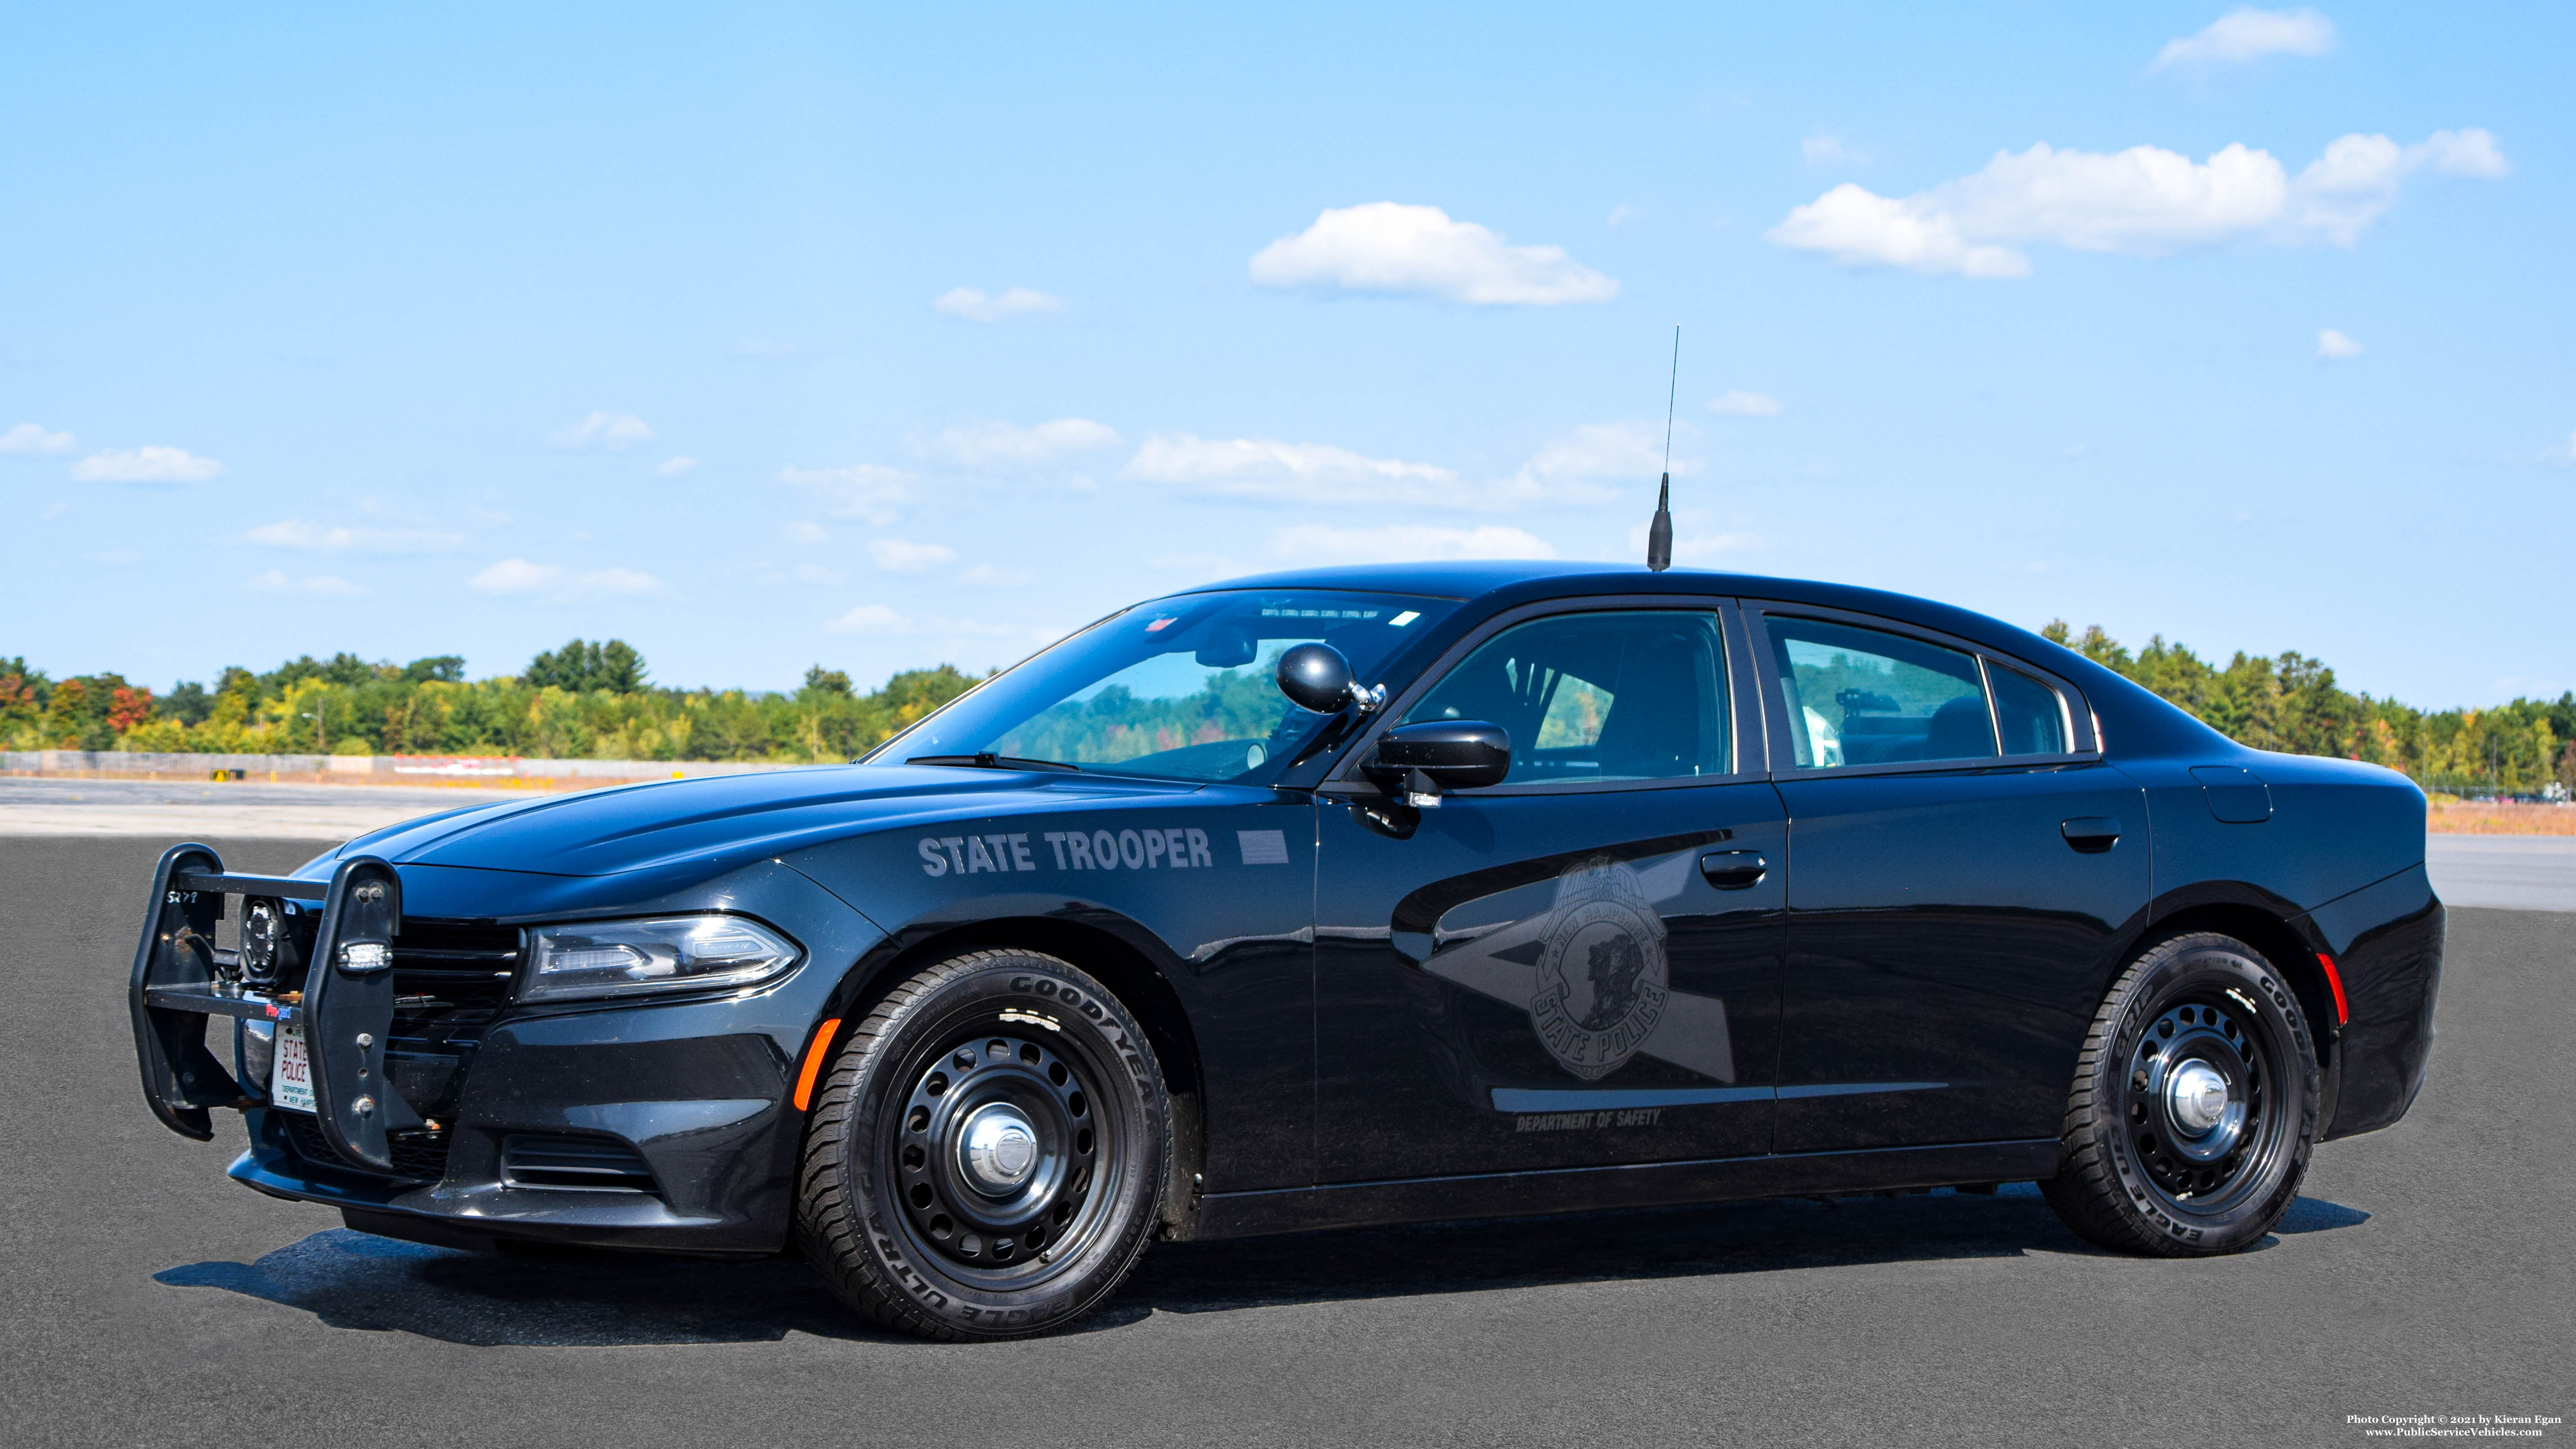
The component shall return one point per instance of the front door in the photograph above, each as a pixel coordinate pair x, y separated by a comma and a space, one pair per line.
1579, 966
1958, 896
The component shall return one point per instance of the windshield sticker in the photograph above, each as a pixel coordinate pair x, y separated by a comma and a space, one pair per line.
1160, 848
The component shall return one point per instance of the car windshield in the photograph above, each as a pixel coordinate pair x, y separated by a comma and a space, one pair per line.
1180, 688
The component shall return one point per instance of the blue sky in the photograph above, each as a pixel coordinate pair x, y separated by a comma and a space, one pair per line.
762, 337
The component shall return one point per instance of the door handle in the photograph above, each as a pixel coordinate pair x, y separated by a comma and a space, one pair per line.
2091, 834
1734, 870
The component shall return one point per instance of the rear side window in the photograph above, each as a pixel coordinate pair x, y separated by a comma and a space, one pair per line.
2033, 716
1599, 696
1864, 697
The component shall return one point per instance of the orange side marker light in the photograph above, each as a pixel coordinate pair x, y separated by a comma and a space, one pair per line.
2334, 978
823, 1045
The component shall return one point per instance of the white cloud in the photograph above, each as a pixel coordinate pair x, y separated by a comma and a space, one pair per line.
1320, 543
903, 556
1277, 472
1584, 465
56, 509
2343, 191
993, 576
1385, 246
1624, 215
1829, 151
2561, 455
611, 582
762, 349
30, 438
146, 465
1744, 405
971, 304
872, 619
603, 430
1860, 228
803, 531
2331, 343
295, 533
2144, 201
115, 557
513, 576
979, 444
862, 490
2471, 152
2247, 34
674, 467
327, 586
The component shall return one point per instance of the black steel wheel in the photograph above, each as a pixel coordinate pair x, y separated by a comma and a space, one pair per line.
2194, 1107
987, 1153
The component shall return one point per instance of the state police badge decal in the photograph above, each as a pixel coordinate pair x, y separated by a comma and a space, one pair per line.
1602, 977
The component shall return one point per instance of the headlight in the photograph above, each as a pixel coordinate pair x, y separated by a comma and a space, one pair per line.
673, 953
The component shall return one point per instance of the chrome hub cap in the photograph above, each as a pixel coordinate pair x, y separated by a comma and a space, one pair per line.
2196, 1095
998, 1149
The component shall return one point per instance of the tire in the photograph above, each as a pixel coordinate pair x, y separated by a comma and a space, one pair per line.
2157, 1161
987, 1155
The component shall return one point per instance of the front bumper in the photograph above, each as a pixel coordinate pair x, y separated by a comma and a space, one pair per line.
711, 1172
666, 1126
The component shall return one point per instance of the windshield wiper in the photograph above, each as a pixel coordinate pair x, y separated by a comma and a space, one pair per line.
983, 760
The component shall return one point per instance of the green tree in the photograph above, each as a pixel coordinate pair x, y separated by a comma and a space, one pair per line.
581, 666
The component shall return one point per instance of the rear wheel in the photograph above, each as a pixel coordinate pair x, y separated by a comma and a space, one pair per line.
987, 1154
2194, 1107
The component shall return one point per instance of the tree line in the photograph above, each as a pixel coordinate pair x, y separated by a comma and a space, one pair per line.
596, 700
587, 700
2290, 702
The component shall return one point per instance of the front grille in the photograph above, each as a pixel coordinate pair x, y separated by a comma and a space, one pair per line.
450, 979
418, 1156
596, 1164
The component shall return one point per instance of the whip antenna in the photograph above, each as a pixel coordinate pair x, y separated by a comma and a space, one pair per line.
1659, 534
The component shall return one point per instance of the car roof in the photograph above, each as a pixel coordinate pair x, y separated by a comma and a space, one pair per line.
1520, 580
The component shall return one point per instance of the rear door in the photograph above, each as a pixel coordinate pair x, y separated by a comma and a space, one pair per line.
1965, 866
1577, 967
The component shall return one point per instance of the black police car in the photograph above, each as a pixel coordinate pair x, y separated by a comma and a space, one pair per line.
1339, 897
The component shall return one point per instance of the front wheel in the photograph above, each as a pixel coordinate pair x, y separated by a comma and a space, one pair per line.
2194, 1107
987, 1154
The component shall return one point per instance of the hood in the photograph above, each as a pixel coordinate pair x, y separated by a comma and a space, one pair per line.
718, 821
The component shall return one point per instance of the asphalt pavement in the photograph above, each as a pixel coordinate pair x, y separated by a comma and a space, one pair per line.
2511, 872
2427, 1270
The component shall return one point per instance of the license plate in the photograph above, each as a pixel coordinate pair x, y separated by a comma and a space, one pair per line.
291, 1084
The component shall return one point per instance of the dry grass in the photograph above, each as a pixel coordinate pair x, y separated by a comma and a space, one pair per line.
2470, 817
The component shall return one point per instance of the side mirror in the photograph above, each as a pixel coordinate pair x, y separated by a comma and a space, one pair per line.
1316, 677
1453, 754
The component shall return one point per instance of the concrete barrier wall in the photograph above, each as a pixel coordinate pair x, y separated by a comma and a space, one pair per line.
373, 769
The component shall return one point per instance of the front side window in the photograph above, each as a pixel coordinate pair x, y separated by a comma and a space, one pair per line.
1181, 688
1865, 697
1590, 697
